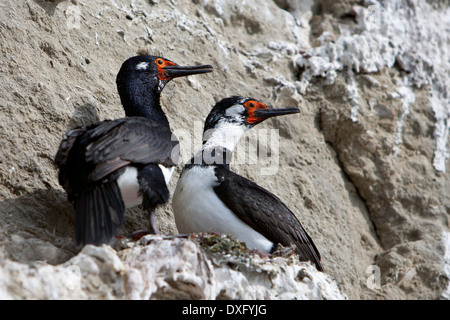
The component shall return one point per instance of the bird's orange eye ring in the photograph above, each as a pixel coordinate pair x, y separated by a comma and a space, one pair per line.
161, 64
251, 106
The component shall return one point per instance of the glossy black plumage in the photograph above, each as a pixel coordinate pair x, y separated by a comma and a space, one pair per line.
229, 202
105, 200
89, 154
265, 213
91, 159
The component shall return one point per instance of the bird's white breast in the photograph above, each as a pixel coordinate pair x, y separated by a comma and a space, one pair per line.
129, 185
197, 208
167, 172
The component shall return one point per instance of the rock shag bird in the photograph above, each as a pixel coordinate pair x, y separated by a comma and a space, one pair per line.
116, 164
209, 197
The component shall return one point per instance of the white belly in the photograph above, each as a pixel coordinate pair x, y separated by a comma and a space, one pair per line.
198, 209
167, 172
129, 185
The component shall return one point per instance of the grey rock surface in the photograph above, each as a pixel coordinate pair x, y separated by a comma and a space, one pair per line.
364, 166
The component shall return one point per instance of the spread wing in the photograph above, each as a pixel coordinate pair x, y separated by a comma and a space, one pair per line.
89, 158
133, 139
111, 145
265, 213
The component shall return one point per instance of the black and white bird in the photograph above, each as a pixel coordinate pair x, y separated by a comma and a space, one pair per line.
115, 164
209, 197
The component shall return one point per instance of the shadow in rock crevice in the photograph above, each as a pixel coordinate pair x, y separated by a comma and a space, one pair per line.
38, 226
48, 5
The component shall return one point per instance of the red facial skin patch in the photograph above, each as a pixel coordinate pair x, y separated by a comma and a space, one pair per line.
161, 64
251, 106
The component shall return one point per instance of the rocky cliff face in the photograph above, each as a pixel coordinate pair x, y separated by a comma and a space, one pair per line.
363, 166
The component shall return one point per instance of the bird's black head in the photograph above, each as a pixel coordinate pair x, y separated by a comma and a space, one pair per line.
156, 70
242, 112
142, 78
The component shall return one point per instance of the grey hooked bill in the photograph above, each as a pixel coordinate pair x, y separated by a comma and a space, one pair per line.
181, 71
275, 112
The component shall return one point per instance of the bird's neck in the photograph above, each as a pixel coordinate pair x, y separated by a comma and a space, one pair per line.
225, 135
142, 100
147, 107
219, 144
217, 156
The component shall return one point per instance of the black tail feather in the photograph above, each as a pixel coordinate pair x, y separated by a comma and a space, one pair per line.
308, 252
99, 213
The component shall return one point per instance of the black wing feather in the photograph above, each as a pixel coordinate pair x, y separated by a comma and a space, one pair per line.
134, 139
90, 160
99, 213
101, 149
265, 213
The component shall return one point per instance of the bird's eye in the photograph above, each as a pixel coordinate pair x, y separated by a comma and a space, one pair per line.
160, 61
250, 105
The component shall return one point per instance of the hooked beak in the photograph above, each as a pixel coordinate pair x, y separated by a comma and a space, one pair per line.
268, 113
182, 71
